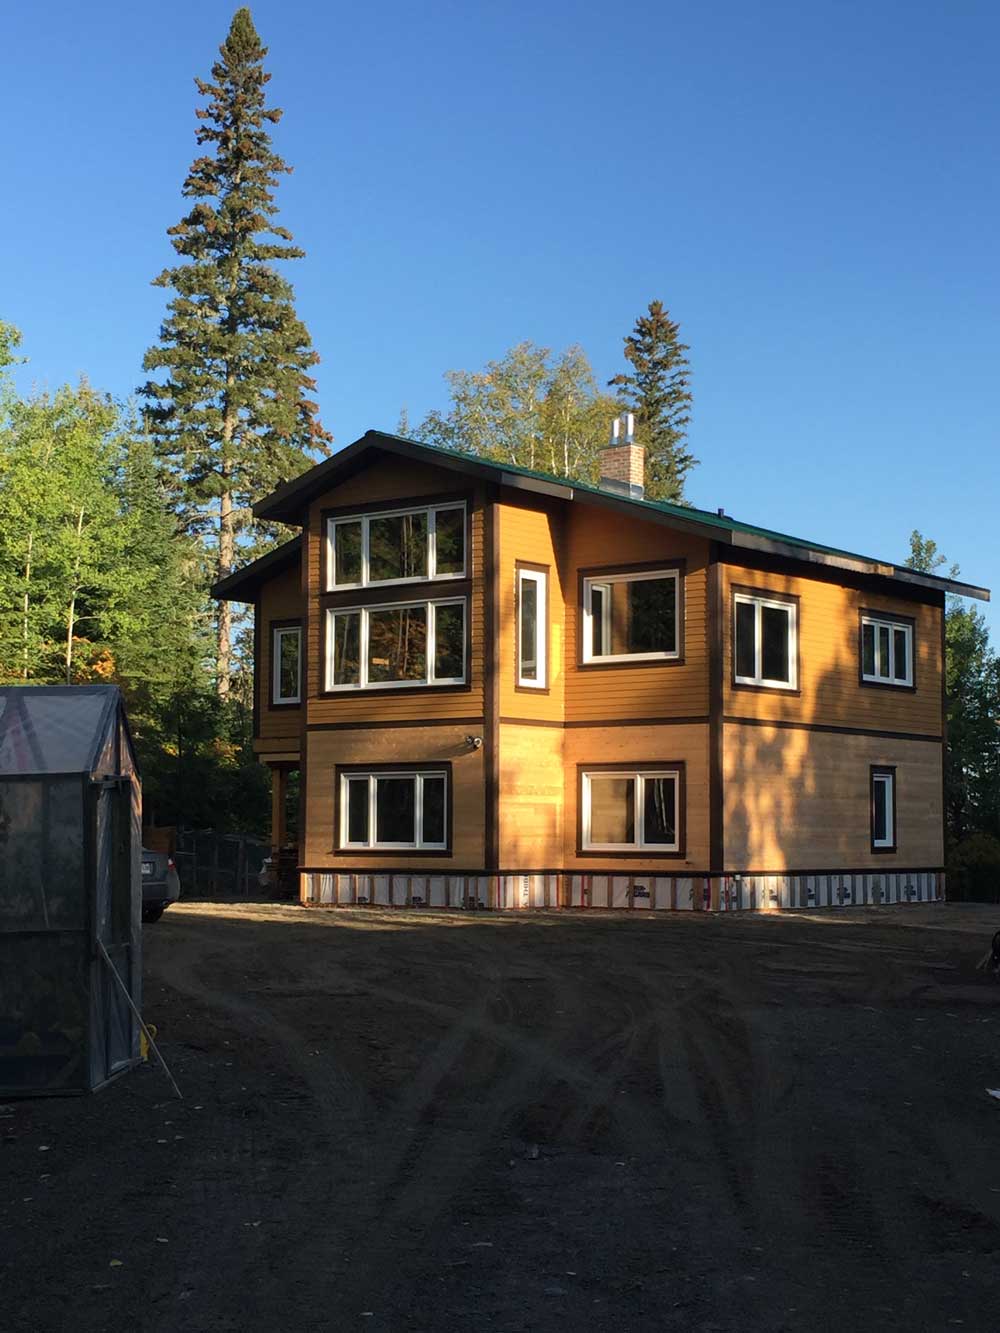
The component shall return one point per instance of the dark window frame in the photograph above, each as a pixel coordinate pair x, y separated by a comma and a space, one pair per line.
887, 618
765, 594
882, 771
375, 770
678, 766
678, 566
273, 675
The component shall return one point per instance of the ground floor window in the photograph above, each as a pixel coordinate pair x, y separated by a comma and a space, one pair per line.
883, 808
393, 809
631, 809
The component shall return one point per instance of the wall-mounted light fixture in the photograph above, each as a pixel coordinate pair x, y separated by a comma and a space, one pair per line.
475, 741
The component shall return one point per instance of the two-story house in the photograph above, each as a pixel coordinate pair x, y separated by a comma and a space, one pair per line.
507, 689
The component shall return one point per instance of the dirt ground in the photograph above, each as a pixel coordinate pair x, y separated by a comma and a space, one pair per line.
414, 1120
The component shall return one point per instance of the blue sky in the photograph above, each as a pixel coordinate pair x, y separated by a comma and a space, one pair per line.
812, 189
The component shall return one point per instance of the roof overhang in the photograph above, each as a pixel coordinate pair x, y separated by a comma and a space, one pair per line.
243, 584
288, 504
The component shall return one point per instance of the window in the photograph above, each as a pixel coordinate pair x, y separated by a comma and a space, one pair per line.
402, 809
631, 617
532, 628
765, 647
883, 800
886, 650
404, 644
286, 664
398, 547
628, 811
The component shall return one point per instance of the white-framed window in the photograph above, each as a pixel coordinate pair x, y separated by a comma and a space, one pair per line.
532, 628
404, 810
886, 650
396, 646
631, 617
883, 809
765, 641
397, 546
286, 664
631, 810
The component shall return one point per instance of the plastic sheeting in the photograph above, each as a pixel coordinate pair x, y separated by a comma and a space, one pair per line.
70, 847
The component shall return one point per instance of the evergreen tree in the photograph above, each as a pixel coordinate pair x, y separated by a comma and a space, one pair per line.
657, 391
232, 416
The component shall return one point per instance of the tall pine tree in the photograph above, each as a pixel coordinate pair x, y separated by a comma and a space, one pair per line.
657, 391
232, 415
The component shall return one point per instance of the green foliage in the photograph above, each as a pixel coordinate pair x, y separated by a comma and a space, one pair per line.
657, 391
972, 687
528, 409
231, 411
10, 341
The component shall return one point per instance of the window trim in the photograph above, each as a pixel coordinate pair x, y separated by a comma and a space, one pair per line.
673, 767
442, 768
676, 569
364, 514
879, 772
275, 629
896, 621
332, 611
539, 574
762, 597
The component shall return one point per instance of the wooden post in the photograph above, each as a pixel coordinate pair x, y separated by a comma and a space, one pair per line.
279, 803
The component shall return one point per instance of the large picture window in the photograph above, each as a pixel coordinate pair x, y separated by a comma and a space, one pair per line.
883, 805
395, 646
400, 546
626, 810
394, 810
886, 650
765, 641
532, 628
631, 617
286, 664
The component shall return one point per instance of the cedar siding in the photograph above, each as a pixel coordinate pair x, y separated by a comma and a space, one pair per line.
774, 781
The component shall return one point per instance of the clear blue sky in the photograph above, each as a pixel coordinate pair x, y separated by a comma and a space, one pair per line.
811, 188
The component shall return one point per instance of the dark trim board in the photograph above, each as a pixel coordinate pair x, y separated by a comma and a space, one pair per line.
491, 694
621, 872
605, 722
393, 723
785, 725
716, 678
860, 581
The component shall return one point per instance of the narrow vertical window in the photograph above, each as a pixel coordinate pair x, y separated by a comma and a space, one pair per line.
883, 809
532, 628
286, 665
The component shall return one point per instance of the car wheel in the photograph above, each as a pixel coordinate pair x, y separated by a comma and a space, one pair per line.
151, 914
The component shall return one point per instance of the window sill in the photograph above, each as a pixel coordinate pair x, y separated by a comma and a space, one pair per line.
871, 684
616, 663
766, 688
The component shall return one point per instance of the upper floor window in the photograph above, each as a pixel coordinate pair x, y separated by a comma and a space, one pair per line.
883, 803
624, 810
765, 640
631, 617
886, 649
532, 627
400, 546
286, 664
396, 646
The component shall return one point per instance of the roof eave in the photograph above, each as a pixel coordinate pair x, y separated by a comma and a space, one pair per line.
242, 584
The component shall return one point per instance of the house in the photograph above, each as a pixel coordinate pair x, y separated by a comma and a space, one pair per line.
506, 689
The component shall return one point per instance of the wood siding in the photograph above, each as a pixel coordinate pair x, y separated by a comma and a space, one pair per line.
533, 532
399, 483
830, 692
389, 745
532, 797
597, 538
801, 800
278, 729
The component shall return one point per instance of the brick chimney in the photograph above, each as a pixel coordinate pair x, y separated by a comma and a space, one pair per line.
622, 461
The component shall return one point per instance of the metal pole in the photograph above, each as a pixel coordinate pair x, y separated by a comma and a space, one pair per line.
128, 998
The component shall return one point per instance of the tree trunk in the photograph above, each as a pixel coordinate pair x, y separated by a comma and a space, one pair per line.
227, 548
71, 611
25, 607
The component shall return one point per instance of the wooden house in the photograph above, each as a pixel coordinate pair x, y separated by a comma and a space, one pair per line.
502, 688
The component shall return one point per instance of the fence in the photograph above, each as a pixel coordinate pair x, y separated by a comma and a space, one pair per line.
219, 864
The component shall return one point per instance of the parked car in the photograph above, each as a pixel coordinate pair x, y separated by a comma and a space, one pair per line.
161, 884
